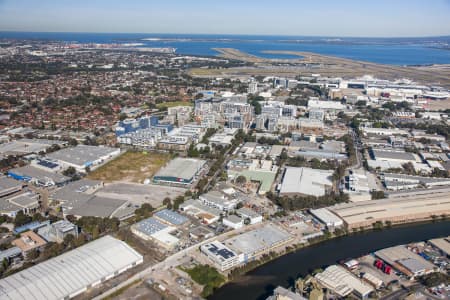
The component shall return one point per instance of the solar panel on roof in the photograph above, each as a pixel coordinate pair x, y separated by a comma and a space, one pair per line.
47, 164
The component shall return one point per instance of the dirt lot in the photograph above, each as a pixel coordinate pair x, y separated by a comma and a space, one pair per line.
131, 167
439, 105
139, 292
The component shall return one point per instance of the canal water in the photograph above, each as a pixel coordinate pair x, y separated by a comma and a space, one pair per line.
259, 283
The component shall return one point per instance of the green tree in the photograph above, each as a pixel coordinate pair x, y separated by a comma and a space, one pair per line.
70, 171
21, 219
167, 203
241, 180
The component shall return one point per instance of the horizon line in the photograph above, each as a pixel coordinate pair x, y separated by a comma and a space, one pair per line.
231, 34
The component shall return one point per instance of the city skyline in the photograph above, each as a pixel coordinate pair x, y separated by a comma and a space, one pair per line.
326, 18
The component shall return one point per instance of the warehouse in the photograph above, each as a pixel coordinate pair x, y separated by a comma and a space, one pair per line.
405, 261
170, 217
218, 200
195, 208
180, 171
248, 214
9, 186
329, 106
343, 283
306, 181
73, 272
403, 182
233, 221
27, 202
28, 146
154, 230
79, 199
395, 210
327, 217
443, 244
38, 176
253, 243
384, 131
222, 256
395, 156
83, 156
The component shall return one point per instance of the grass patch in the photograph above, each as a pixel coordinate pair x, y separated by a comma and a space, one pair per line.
207, 276
173, 104
132, 166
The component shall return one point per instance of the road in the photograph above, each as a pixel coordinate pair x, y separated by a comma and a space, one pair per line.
358, 147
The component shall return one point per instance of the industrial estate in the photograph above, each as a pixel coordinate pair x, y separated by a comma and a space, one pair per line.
129, 172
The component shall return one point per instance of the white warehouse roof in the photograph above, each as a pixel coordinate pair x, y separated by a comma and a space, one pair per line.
306, 181
327, 217
69, 274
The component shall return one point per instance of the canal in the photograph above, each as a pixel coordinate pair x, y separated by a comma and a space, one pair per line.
259, 283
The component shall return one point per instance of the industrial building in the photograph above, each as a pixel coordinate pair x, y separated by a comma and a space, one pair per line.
327, 218
72, 273
11, 255
405, 261
384, 131
180, 171
29, 241
79, 199
219, 200
281, 293
343, 283
197, 209
306, 181
396, 182
33, 226
395, 156
56, 232
223, 257
14, 199
153, 230
252, 216
83, 156
395, 210
170, 217
328, 106
38, 176
28, 146
443, 244
233, 221
9, 186
251, 244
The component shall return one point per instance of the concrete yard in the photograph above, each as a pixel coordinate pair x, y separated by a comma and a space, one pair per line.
140, 193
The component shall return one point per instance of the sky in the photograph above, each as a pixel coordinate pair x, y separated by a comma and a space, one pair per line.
358, 18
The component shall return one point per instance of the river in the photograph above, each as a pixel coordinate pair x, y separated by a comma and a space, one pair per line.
259, 283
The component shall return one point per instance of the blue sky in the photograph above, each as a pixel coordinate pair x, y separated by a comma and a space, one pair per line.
369, 18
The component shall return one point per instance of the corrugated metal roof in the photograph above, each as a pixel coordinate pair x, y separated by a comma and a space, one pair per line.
66, 274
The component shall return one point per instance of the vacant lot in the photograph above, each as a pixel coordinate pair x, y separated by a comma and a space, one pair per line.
438, 104
140, 193
131, 167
